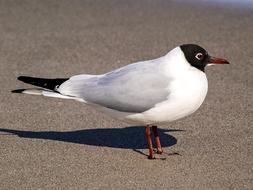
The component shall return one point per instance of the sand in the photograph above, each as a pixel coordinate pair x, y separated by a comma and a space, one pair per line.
48, 143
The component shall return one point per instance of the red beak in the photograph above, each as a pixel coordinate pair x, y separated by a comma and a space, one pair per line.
215, 60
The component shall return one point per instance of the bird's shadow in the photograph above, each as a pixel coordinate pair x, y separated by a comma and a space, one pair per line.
126, 138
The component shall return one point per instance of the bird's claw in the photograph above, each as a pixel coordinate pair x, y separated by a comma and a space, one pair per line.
159, 151
151, 157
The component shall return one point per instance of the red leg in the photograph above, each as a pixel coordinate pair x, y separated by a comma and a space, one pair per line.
150, 146
157, 140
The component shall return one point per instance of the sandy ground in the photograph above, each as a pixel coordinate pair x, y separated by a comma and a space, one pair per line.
48, 143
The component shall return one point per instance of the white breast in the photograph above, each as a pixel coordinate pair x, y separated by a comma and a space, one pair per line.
187, 90
187, 95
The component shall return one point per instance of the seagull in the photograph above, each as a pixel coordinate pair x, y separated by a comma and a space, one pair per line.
144, 93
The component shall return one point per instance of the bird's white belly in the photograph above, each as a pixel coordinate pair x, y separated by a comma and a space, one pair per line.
187, 93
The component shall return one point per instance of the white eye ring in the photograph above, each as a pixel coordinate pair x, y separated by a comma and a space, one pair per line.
199, 56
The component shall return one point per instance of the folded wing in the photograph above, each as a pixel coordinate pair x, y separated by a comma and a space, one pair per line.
134, 88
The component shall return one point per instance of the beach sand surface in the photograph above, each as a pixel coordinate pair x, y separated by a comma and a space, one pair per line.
48, 143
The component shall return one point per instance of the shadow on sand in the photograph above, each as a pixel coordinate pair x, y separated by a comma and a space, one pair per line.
127, 138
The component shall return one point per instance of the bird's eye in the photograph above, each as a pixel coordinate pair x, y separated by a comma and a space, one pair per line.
199, 56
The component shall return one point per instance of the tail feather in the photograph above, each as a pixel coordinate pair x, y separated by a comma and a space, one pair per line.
50, 84
48, 87
33, 91
44, 92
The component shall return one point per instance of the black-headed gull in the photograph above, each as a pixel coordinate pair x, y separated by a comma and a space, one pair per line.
144, 93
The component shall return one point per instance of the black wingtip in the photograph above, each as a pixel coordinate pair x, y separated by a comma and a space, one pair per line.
18, 91
42, 82
24, 78
20, 77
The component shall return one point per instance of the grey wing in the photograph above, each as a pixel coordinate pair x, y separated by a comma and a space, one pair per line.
134, 88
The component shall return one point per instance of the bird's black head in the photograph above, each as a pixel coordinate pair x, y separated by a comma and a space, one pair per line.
198, 56
195, 55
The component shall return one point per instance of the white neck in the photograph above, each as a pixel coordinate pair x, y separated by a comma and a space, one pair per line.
176, 62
